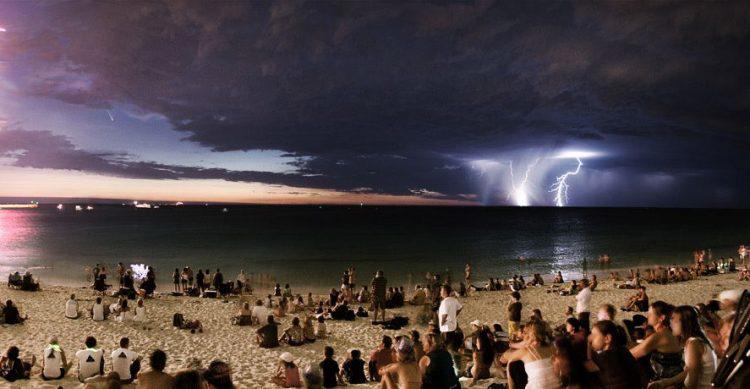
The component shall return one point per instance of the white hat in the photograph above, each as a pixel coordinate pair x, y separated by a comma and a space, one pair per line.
733, 295
476, 323
286, 357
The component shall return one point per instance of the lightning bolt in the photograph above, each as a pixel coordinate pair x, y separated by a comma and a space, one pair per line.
112, 118
560, 187
519, 192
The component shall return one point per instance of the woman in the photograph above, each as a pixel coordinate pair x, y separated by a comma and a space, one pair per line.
287, 374
483, 356
405, 370
536, 355
699, 356
12, 368
664, 347
614, 365
567, 364
293, 336
125, 313
244, 316
436, 365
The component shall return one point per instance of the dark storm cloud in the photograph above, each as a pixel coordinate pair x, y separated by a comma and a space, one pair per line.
347, 86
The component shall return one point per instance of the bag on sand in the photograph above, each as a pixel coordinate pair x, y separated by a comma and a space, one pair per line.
178, 320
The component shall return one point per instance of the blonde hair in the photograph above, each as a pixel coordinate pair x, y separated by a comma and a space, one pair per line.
535, 332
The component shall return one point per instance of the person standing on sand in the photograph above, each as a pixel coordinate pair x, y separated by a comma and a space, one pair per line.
514, 315
467, 274
448, 313
583, 299
218, 282
379, 286
199, 279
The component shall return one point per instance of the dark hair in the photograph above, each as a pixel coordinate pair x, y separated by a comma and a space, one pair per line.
572, 370
321, 319
98, 300
447, 288
270, 319
662, 309
158, 360
484, 346
356, 354
90, 342
13, 352
387, 341
188, 379
690, 326
328, 352
219, 375
574, 322
295, 321
608, 327
611, 311
414, 335
713, 306
124, 342
516, 295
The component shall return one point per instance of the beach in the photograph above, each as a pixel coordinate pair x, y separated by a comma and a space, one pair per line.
253, 366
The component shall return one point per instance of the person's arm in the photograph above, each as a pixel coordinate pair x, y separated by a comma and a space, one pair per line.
475, 359
644, 348
424, 363
391, 368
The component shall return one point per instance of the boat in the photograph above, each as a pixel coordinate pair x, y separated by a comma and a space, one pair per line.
178, 203
89, 208
224, 210
60, 207
143, 205
79, 208
18, 206
156, 207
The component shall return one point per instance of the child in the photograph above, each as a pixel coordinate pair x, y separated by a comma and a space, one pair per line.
287, 374
331, 372
320, 331
514, 314
354, 368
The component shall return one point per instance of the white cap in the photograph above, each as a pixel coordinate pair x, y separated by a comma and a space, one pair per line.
733, 295
476, 323
286, 357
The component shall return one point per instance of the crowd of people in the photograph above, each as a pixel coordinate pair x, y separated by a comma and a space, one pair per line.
668, 347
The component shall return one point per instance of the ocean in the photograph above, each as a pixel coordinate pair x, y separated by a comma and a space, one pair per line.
310, 246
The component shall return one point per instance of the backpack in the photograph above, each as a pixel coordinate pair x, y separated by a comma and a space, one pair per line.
178, 320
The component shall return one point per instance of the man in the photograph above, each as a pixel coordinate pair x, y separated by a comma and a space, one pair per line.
448, 313
90, 360
156, 378
125, 362
259, 314
54, 363
583, 299
268, 335
71, 308
379, 285
218, 281
381, 357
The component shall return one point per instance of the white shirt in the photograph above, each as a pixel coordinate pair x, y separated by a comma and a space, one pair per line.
52, 362
140, 314
97, 312
89, 362
450, 307
122, 358
583, 298
71, 309
260, 313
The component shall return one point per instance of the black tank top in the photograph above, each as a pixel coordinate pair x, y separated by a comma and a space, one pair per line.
440, 374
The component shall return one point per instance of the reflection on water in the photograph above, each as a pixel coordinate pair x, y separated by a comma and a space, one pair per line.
311, 246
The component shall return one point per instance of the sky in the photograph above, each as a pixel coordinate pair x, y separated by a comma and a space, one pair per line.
559, 103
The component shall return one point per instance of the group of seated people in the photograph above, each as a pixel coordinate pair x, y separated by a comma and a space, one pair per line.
99, 311
125, 368
9, 313
23, 282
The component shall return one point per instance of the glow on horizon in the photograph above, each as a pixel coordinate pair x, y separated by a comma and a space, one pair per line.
41, 183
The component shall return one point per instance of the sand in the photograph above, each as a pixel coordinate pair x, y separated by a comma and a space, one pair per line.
252, 365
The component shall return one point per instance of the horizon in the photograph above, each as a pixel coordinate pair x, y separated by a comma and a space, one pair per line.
450, 104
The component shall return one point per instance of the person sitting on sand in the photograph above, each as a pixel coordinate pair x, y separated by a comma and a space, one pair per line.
125, 313
189, 379
15, 280
90, 360
310, 301
483, 355
11, 314
12, 368
354, 368
287, 374
332, 375
594, 282
610, 360
259, 313
28, 284
638, 302
125, 362
268, 335
536, 355
558, 278
244, 316
293, 336
419, 297
308, 329
156, 378
54, 363
663, 347
321, 332
71, 308
381, 357
436, 366
364, 295
218, 375
404, 373
98, 313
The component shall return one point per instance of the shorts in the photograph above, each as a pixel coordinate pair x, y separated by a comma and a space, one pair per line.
513, 328
378, 304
